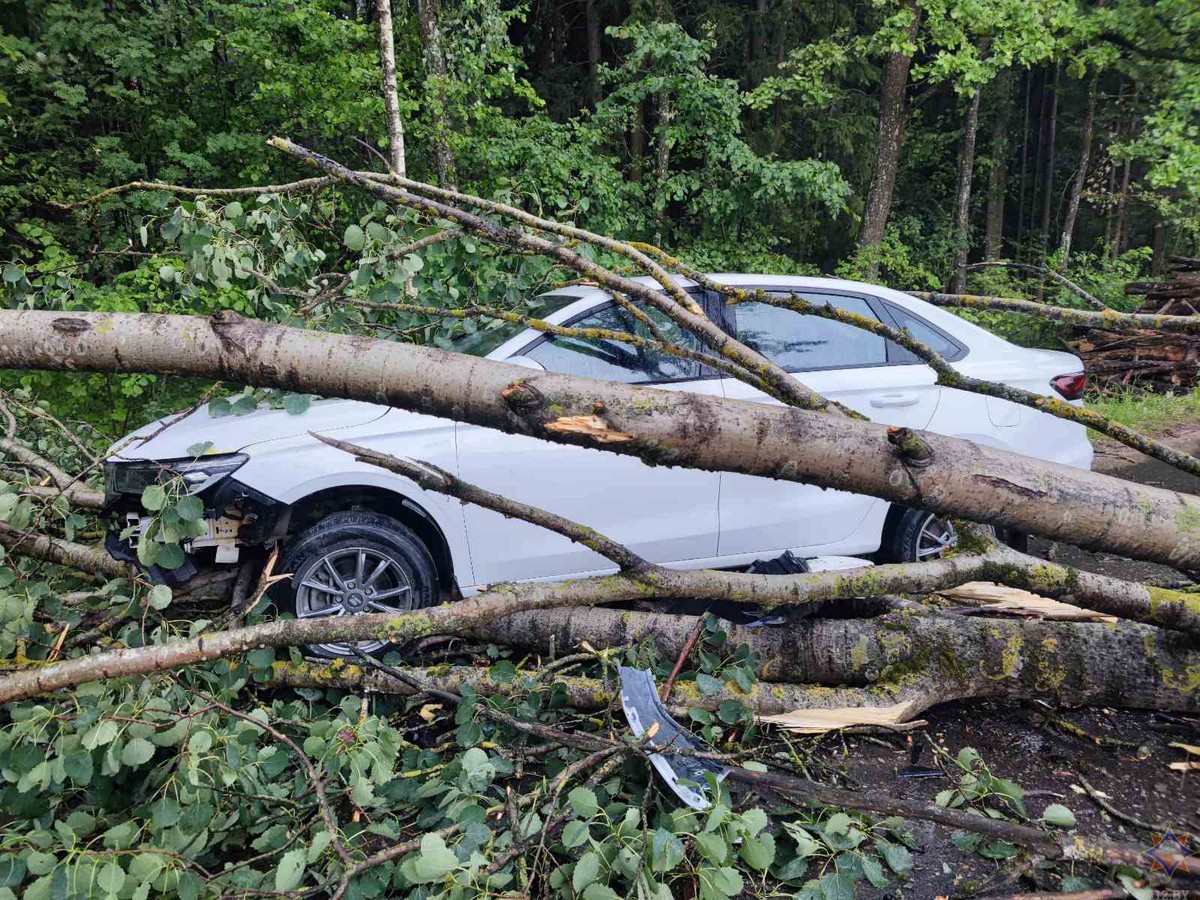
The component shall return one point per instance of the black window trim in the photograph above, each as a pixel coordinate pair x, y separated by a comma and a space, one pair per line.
877, 305
706, 373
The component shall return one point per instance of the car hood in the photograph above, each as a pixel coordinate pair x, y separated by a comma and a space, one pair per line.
229, 434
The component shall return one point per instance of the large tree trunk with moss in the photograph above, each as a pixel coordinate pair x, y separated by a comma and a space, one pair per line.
916, 656
1069, 663
920, 469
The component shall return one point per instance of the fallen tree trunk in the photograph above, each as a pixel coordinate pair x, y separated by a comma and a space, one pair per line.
918, 469
913, 655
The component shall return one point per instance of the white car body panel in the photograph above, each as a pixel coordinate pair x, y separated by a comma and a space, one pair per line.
677, 517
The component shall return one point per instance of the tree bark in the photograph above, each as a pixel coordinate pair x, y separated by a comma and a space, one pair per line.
997, 193
1085, 156
435, 69
893, 120
917, 658
958, 477
592, 16
962, 217
391, 99
1049, 148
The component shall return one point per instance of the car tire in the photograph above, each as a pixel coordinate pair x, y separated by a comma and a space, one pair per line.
355, 562
911, 535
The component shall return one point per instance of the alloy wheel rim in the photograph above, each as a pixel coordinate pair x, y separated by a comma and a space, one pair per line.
348, 582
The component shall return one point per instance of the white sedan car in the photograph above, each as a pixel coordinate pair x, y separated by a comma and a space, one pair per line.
358, 538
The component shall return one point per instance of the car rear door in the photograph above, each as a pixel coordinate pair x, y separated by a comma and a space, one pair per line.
668, 515
854, 367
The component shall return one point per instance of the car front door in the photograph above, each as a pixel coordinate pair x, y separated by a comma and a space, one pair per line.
668, 515
845, 364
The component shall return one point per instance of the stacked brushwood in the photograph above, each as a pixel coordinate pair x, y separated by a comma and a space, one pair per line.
1152, 360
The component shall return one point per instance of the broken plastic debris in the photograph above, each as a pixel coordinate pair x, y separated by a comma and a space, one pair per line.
686, 775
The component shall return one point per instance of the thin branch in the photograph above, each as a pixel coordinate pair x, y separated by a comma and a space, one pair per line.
433, 478
1108, 320
314, 776
781, 384
1042, 271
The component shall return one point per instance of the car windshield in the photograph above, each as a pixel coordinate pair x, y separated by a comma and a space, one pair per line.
488, 337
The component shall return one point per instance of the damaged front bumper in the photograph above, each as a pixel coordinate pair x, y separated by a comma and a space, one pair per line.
236, 516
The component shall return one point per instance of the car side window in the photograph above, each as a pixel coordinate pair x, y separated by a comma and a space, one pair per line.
610, 360
923, 332
800, 343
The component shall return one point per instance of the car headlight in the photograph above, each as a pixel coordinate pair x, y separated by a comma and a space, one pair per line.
131, 478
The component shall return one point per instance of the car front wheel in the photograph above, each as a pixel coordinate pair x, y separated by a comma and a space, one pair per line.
915, 535
351, 563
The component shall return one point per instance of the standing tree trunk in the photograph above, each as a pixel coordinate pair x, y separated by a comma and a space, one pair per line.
391, 100
962, 216
1121, 229
993, 244
435, 70
1085, 155
592, 15
662, 166
893, 120
1051, 126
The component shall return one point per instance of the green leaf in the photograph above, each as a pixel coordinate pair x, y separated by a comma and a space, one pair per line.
40, 863
297, 404
190, 508
586, 871
154, 497
290, 871
79, 767
137, 752
838, 823
873, 870
898, 857
160, 597
233, 210
712, 846
218, 408
583, 801
709, 685
597, 891
167, 273
13, 273
967, 841
837, 886
1058, 815
998, 850
758, 852
110, 877
244, 405
575, 834
103, 732
666, 850
170, 556
199, 448
435, 860
354, 238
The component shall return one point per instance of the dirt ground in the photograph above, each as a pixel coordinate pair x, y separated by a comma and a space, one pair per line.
1123, 754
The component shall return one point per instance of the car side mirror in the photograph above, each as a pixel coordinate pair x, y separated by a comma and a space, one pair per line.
526, 363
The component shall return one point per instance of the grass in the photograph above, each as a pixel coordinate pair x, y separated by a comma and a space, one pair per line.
1147, 412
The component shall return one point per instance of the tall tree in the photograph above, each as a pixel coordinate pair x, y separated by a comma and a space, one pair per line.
997, 191
966, 168
391, 99
435, 70
1085, 155
893, 121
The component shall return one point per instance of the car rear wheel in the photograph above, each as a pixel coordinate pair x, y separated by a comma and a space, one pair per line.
351, 563
915, 535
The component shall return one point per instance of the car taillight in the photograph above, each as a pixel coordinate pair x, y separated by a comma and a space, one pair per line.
1070, 386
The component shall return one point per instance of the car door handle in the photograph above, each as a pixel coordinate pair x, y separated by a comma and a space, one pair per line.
886, 400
